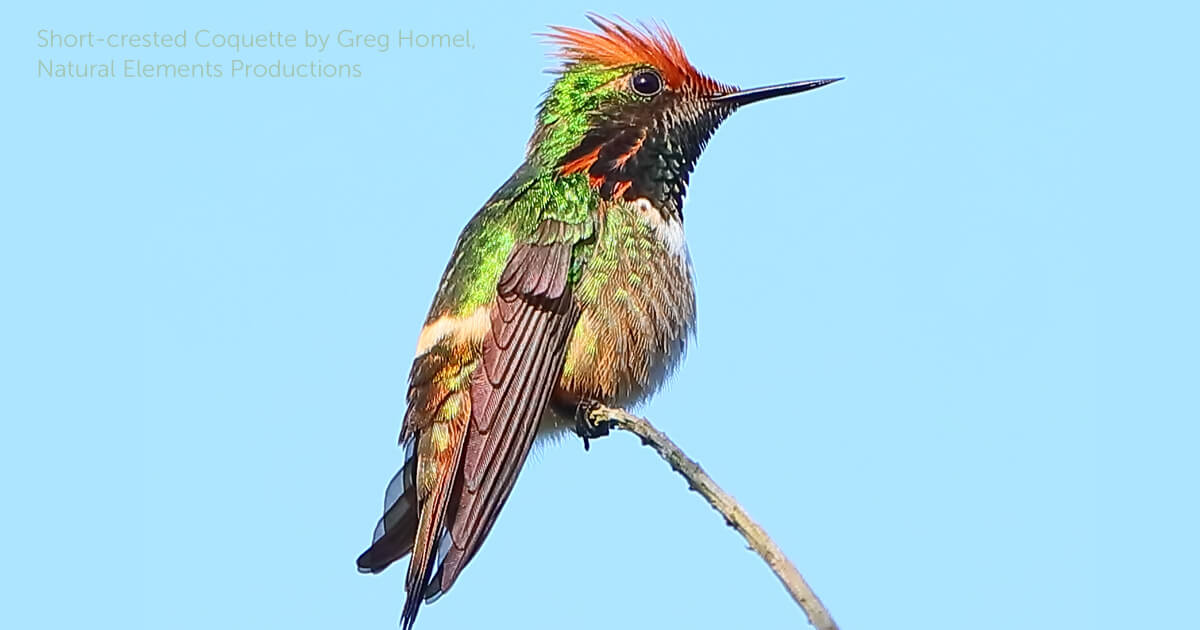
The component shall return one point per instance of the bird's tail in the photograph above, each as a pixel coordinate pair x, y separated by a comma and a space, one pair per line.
418, 497
397, 529
411, 525
432, 536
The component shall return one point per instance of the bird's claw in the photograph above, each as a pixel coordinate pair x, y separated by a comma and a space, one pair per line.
591, 422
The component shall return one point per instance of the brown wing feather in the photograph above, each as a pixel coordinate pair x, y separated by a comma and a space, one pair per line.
516, 368
522, 362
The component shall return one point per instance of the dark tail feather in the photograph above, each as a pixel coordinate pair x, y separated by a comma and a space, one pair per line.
415, 591
396, 543
396, 531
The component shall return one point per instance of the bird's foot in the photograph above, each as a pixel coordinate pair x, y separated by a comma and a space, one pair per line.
591, 421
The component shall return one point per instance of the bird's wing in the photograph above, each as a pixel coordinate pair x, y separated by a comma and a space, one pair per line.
509, 378
522, 362
477, 395
439, 381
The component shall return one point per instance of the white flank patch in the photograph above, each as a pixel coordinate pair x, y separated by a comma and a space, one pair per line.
470, 328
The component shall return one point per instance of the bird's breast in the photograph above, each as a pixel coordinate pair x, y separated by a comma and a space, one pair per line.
638, 308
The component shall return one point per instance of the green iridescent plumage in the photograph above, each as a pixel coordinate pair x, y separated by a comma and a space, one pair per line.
483, 247
537, 192
566, 113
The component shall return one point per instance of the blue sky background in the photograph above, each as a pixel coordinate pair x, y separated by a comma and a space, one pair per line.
947, 350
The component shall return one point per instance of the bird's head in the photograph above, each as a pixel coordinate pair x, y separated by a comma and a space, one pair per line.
630, 113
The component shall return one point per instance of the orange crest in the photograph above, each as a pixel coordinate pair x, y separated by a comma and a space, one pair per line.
621, 43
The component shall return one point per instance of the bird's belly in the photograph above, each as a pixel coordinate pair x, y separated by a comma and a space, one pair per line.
617, 365
617, 374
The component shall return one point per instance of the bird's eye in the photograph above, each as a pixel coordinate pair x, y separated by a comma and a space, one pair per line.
646, 83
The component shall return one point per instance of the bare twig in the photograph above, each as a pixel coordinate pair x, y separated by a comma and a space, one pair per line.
734, 515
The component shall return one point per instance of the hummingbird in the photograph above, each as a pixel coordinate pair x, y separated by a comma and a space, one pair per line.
570, 290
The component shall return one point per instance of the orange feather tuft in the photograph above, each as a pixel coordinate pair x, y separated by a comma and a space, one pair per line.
582, 163
621, 43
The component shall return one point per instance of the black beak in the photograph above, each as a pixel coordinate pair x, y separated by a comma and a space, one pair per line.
745, 97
